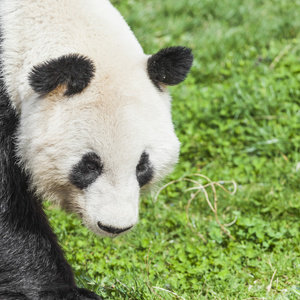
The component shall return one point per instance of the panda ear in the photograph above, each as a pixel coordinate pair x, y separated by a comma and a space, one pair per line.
170, 66
74, 71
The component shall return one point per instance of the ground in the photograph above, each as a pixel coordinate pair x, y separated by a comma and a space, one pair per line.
238, 119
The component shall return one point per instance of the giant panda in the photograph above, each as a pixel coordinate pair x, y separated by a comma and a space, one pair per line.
85, 121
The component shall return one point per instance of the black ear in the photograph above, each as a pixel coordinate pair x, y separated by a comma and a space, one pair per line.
170, 66
74, 71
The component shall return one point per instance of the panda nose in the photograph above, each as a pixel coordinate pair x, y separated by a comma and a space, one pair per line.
113, 230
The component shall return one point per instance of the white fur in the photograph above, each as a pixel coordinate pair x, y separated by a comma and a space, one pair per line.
118, 116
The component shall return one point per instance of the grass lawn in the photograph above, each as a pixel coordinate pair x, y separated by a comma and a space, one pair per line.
238, 119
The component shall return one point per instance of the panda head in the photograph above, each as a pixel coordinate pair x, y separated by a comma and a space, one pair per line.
91, 140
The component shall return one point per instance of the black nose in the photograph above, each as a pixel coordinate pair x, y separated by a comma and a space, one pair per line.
113, 230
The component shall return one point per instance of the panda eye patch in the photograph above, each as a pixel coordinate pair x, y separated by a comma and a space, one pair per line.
144, 170
86, 171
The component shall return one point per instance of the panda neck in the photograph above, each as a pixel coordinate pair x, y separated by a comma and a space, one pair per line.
26, 239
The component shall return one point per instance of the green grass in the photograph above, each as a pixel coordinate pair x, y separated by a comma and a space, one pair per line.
238, 118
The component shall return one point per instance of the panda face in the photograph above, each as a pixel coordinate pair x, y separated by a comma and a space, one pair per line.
93, 152
95, 116
92, 143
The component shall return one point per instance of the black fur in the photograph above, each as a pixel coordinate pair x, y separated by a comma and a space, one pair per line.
170, 66
32, 265
144, 170
74, 70
85, 172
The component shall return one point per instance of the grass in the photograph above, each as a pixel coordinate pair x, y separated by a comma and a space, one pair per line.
238, 118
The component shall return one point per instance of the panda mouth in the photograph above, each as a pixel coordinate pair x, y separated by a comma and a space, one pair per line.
113, 230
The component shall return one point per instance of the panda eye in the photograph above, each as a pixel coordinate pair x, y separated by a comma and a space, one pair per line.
91, 167
86, 171
142, 167
144, 170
